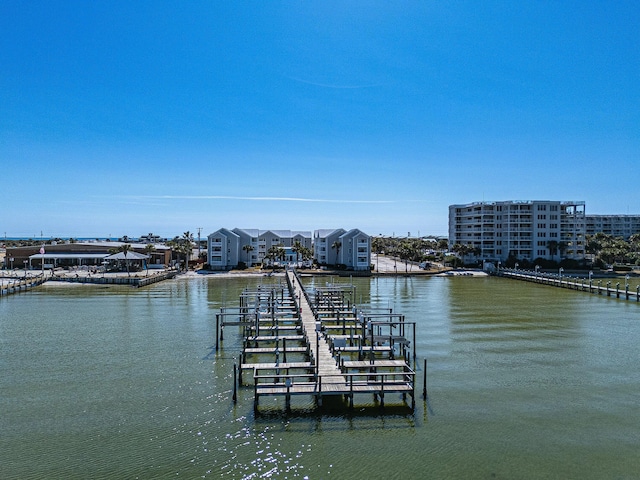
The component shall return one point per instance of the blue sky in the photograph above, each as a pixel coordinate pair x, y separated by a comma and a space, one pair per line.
123, 118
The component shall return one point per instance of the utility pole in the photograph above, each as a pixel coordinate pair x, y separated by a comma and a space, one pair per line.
199, 230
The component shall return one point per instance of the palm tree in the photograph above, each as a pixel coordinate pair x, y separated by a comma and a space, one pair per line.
307, 253
337, 244
248, 249
125, 249
297, 247
272, 254
405, 252
552, 245
149, 249
281, 253
562, 247
187, 241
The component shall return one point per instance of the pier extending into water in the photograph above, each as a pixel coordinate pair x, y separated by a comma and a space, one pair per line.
136, 281
315, 343
15, 284
574, 283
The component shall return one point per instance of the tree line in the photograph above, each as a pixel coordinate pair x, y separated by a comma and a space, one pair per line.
602, 251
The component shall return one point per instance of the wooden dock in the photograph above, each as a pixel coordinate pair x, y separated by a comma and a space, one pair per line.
12, 284
317, 344
587, 285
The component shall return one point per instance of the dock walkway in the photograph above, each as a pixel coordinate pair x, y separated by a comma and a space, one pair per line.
288, 349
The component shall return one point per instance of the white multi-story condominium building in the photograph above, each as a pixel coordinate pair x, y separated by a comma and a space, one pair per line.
250, 246
522, 229
339, 247
614, 225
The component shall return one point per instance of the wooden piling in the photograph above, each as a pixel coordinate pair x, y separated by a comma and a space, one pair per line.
217, 328
235, 384
424, 386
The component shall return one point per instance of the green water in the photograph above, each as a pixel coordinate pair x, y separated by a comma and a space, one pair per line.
524, 381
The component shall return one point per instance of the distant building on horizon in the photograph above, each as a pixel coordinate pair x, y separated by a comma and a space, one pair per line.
496, 231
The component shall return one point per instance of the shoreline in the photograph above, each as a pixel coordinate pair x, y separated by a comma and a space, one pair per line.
75, 279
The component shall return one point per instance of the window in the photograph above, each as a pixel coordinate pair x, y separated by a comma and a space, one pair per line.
553, 225
542, 225
542, 234
542, 217
542, 208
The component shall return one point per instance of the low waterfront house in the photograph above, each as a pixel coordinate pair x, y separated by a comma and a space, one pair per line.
78, 254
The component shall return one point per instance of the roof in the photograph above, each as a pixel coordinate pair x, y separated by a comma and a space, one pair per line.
130, 255
252, 232
50, 256
325, 232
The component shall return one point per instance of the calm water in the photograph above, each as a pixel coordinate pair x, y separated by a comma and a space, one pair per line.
525, 381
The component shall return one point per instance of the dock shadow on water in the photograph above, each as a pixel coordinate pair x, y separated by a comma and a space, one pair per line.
335, 406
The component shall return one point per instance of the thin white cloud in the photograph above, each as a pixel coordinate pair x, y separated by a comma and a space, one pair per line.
326, 85
253, 199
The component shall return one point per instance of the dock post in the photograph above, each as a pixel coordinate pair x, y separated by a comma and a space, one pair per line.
235, 387
255, 396
287, 398
351, 391
617, 289
626, 291
424, 386
284, 350
317, 355
217, 328
608, 291
414, 342
637, 293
